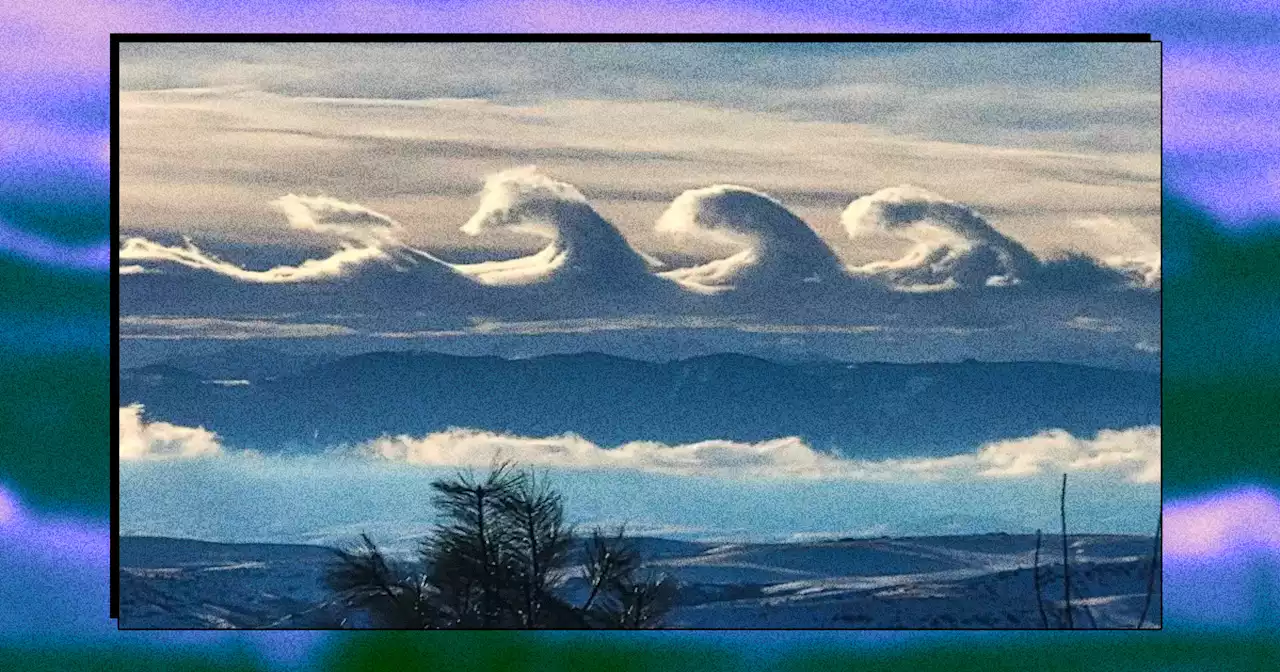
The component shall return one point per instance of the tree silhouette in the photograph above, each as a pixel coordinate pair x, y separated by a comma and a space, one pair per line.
496, 559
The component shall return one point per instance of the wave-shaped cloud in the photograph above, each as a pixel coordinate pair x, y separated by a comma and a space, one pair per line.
150, 254
365, 237
142, 440
953, 245
779, 247
784, 272
581, 243
1130, 251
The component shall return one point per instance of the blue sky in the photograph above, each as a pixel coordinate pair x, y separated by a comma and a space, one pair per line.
316, 500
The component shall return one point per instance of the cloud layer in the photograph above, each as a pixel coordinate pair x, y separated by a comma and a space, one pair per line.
1130, 454
780, 255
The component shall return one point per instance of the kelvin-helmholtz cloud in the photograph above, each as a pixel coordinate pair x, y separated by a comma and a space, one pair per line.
781, 267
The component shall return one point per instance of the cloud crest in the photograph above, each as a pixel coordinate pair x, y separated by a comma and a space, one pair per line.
952, 246
581, 244
779, 247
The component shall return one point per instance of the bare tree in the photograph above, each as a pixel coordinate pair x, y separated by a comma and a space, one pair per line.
621, 597
1066, 563
1044, 620
644, 601
607, 560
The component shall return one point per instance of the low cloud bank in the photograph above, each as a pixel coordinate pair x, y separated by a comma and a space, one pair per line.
143, 440
1131, 454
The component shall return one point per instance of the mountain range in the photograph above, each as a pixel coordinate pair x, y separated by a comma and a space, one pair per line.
867, 410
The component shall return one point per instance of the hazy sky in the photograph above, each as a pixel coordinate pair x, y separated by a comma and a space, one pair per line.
1036, 137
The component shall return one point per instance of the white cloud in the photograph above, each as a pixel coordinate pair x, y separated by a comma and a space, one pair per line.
1131, 454
191, 257
785, 275
1126, 248
951, 244
1086, 323
420, 153
1146, 346
141, 440
778, 247
323, 214
580, 241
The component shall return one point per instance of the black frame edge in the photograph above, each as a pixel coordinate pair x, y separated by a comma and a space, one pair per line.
115, 326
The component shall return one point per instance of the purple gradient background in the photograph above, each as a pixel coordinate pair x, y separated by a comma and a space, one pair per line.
1220, 85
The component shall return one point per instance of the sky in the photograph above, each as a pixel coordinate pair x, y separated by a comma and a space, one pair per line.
186, 481
439, 191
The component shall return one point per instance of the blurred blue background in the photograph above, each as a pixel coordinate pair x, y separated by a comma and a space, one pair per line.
1222, 318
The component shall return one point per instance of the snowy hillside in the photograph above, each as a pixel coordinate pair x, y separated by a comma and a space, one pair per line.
973, 581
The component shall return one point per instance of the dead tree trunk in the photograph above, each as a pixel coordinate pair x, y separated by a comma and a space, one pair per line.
1066, 566
1044, 620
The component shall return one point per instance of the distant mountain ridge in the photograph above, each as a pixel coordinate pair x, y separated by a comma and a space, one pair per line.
864, 410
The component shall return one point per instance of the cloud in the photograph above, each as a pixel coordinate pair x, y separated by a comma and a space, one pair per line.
141, 440
581, 243
1128, 249
366, 238
179, 328
189, 256
783, 276
1147, 346
953, 246
778, 246
326, 215
1133, 454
